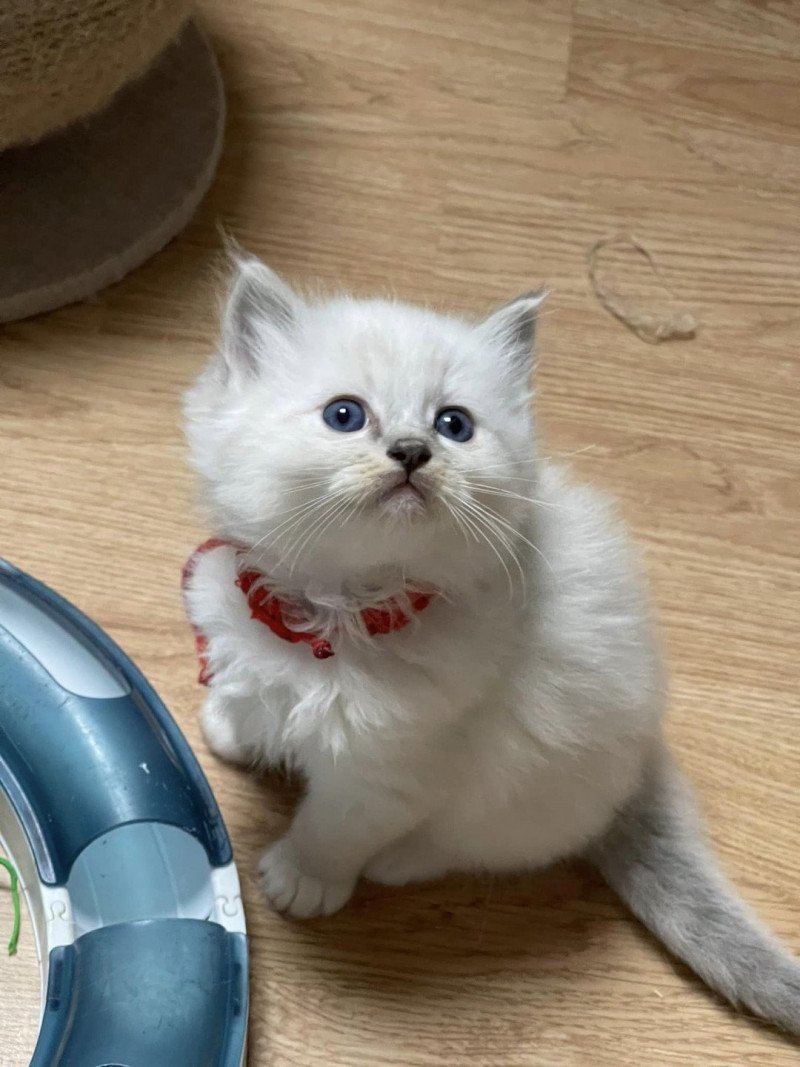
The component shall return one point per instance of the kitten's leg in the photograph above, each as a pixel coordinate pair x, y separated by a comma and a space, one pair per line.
338, 827
417, 857
223, 719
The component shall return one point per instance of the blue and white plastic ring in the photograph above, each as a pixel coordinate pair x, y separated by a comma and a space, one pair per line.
122, 854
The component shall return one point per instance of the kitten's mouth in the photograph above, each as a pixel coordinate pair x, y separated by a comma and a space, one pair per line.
404, 496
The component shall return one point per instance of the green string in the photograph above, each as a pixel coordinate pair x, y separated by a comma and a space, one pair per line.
12, 944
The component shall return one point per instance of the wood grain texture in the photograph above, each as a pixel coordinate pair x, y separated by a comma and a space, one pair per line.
456, 153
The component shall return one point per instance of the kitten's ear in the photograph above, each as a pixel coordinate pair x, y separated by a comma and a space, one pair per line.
514, 327
260, 311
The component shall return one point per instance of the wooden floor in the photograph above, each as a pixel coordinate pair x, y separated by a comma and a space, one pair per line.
456, 153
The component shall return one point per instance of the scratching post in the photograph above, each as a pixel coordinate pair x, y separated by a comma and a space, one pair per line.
110, 130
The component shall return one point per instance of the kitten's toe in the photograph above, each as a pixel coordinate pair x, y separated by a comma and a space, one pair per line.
291, 892
412, 859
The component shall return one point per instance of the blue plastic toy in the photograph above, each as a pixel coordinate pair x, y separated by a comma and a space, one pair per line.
122, 854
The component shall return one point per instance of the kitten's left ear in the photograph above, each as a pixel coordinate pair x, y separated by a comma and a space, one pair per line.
514, 327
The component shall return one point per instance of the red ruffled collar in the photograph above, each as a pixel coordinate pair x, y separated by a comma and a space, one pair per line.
272, 611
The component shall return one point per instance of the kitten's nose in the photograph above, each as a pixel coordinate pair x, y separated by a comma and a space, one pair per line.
410, 453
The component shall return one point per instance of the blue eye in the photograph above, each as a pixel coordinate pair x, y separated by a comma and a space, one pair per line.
454, 423
346, 416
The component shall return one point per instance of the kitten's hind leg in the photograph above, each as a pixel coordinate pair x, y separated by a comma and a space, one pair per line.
413, 858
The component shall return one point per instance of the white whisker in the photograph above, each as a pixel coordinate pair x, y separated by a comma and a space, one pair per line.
343, 513
483, 536
494, 466
577, 452
479, 515
305, 486
292, 555
294, 517
458, 520
516, 533
495, 490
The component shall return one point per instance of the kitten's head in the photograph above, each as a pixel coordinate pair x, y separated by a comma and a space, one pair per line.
348, 432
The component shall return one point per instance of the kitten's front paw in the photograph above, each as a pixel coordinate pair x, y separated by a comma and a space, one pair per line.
302, 896
411, 859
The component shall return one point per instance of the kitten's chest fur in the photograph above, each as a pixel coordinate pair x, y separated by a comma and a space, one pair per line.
402, 687
395, 691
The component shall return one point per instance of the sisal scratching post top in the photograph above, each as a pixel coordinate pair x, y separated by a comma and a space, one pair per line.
61, 60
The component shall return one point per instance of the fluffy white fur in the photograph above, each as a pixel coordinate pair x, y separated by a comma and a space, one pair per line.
502, 729
520, 713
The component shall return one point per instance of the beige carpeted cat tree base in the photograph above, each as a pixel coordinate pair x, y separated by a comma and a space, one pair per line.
82, 206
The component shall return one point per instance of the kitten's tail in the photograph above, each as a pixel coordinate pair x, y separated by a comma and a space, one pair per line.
656, 857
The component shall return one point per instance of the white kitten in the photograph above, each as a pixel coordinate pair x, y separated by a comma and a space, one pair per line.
363, 455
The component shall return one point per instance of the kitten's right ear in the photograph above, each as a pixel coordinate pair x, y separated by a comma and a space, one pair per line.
514, 326
260, 311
